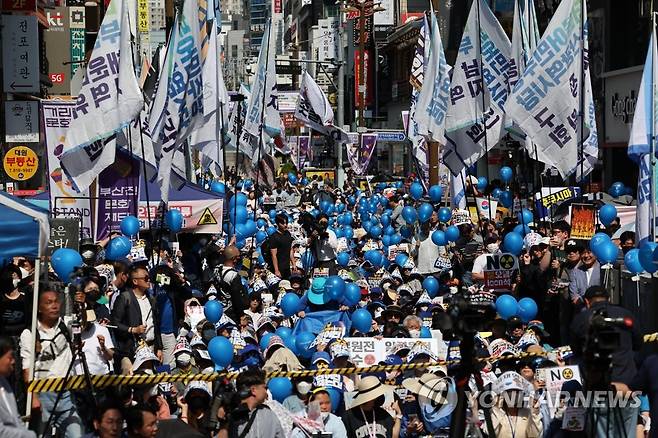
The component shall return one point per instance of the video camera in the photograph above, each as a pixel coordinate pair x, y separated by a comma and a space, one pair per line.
604, 336
309, 225
469, 313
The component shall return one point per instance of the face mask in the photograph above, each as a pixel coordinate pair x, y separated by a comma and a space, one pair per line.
303, 388
208, 370
414, 333
183, 359
24, 272
363, 303
103, 300
93, 296
392, 375
492, 248
324, 415
15, 282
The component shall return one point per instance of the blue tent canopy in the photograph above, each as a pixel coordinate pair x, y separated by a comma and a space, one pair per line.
24, 228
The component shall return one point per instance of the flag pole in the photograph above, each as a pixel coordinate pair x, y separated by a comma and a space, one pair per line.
652, 145
222, 143
582, 96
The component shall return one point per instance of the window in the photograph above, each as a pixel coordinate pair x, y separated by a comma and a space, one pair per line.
234, 51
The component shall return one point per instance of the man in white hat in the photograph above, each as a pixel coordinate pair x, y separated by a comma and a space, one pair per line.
367, 418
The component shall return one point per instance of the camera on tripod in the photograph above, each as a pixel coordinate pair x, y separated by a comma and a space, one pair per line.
469, 312
604, 336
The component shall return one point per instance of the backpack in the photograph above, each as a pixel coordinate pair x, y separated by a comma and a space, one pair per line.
265, 251
222, 286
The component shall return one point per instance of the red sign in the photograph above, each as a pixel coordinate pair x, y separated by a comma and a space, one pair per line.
57, 78
367, 78
410, 16
19, 5
289, 120
278, 9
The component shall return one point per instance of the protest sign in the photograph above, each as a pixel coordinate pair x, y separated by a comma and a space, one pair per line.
500, 271
550, 197
556, 376
365, 351
583, 221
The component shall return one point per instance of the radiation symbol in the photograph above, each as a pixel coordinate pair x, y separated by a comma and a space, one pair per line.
567, 374
507, 261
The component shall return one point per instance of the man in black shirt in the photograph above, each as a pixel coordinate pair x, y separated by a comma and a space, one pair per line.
280, 247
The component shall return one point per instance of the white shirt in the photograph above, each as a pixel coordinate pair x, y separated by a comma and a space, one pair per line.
428, 252
327, 248
55, 356
147, 317
96, 360
480, 263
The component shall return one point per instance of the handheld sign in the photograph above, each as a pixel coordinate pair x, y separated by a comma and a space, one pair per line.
500, 271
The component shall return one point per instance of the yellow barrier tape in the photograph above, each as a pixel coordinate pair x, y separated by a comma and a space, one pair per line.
109, 380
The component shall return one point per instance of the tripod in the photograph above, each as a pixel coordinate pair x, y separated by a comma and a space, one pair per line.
78, 354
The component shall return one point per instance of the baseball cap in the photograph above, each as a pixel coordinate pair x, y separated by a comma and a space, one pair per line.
573, 245
596, 292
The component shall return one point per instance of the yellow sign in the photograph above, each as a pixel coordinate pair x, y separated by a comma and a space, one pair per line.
21, 163
143, 18
207, 218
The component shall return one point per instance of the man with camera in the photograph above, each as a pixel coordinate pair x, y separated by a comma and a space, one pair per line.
608, 326
252, 418
323, 243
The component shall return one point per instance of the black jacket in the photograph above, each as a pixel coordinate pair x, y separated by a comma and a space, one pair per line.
623, 360
125, 314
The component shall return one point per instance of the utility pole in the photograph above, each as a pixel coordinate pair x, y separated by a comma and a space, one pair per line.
340, 173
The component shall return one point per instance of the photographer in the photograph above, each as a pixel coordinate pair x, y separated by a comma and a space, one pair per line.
630, 339
323, 243
253, 419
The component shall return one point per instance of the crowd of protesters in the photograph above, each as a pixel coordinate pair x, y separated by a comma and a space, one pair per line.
145, 315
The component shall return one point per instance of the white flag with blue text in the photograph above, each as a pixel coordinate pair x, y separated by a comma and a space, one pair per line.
314, 110
430, 112
415, 130
458, 190
639, 144
545, 101
108, 101
178, 105
475, 118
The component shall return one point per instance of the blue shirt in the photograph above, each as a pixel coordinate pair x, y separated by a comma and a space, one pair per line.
166, 310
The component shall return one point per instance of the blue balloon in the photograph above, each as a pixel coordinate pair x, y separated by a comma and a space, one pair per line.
336, 396
366, 225
335, 287
386, 240
482, 183
416, 191
261, 223
431, 285
303, 343
409, 214
597, 240
130, 226
375, 231
213, 311
395, 239
240, 243
272, 214
452, 233
401, 259
425, 333
425, 211
646, 257
439, 238
522, 229
352, 294
495, 193
290, 304
284, 332
513, 243
506, 306
506, 174
174, 220
375, 257
248, 184
607, 213
506, 199
444, 214
389, 230
525, 217
271, 230
238, 215
324, 206
118, 247
292, 178
385, 220
527, 309
237, 200
343, 258
435, 193
617, 189
632, 261
304, 181
221, 351
218, 187
250, 228
280, 388
407, 231
265, 340
261, 236
606, 252
64, 262
362, 320
349, 232
351, 200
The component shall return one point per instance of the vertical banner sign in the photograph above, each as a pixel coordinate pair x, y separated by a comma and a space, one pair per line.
304, 150
77, 30
143, 23
22, 121
367, 77
583, 221
58, 39
118, 192
56, 118
20, 54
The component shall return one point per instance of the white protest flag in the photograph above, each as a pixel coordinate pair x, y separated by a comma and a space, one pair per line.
237, 117
545, 101
415, 130
640, 142
262, 115
457, 190
525, 36
314, 110
433, 98
109, 100
207, 138
475, 117
178, 105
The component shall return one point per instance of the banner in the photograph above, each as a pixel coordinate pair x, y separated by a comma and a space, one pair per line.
546, 100
305, 150
314, 110
56, 118
411, 123
359, 156
118, 193
478, 92
550, 197
583, 221
639, 145
110, 99
203, 216
487, 207
370, 351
